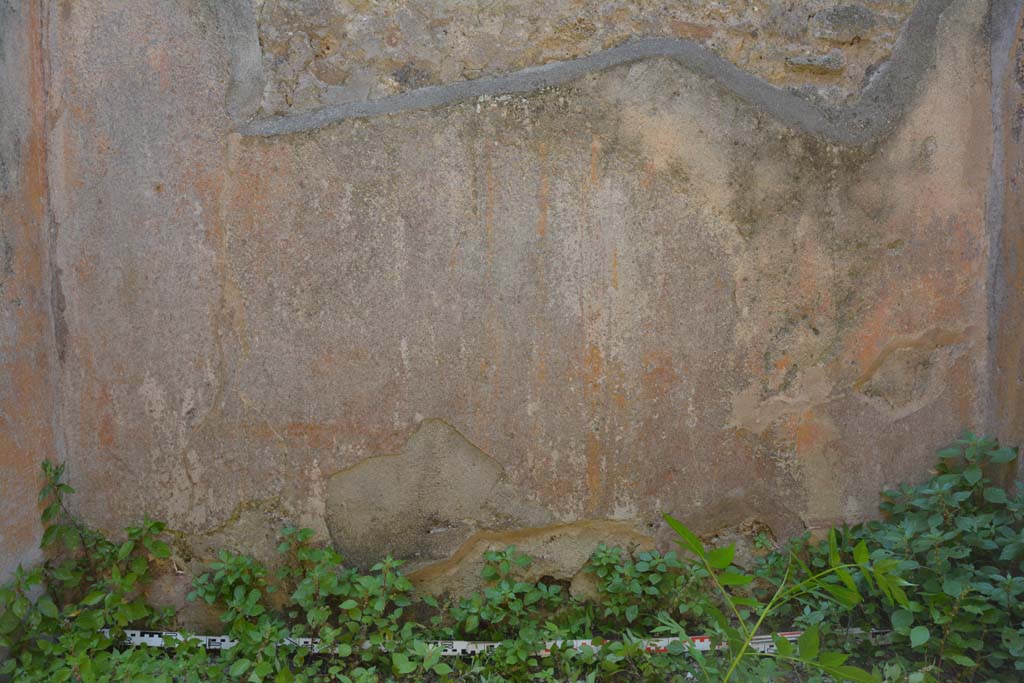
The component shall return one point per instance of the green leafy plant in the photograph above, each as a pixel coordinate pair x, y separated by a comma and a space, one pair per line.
743, 616
959, 538
942, 570
59, 620
508, 604
634, 590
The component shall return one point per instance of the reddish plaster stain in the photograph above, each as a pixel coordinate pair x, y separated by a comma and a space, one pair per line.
542, 191
159, 62
659, 374
810, 435
317, 435
593, 366
107, 434
595, 152
594, 472
489, 211
868, 341
686, 29
25, 430
649, 172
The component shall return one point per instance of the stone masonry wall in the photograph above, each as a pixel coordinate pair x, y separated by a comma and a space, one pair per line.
430, 278
318, 52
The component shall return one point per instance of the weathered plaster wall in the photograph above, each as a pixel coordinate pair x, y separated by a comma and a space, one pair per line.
542, 306
26, 398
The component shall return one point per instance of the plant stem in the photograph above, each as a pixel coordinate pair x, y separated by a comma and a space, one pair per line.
732, 606
801, 587
750, 634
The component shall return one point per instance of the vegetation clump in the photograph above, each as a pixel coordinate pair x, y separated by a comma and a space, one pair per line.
941, 573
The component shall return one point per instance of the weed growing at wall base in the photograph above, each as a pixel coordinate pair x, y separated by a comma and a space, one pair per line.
959, 542
942, 572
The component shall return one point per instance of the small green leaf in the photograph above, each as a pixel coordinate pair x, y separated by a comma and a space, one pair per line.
51, 511
1002, 455
70, 535
783, 646
741, 601
952, 588
972, 474
847, 580
688, 539
631, 613
963, 660
442, 669
853, 673
901, 620
93, 597
136, 610
401, 663
833, 549
260, 671
720, 558
46, 606
85, 670
732, 578
844, 596
239, 667
90, 620
8, 622
996, 495
809, 643
51, 534
919, 635
159, 549
860, 553
832, 658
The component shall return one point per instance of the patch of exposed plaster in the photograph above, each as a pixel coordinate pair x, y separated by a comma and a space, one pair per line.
252, 529
903, 376
752, 412
422, 504
819, 469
